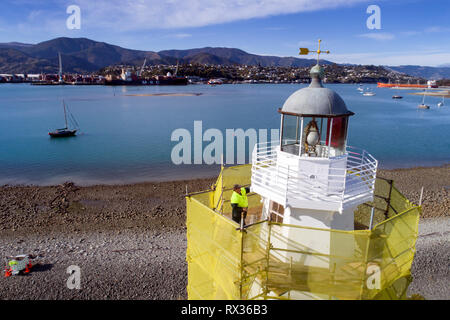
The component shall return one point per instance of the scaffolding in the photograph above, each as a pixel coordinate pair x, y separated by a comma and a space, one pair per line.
262, 261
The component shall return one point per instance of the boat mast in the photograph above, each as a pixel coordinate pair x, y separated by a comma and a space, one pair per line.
60, 68
65, 114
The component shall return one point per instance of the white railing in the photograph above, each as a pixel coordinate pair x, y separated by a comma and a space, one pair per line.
344, 180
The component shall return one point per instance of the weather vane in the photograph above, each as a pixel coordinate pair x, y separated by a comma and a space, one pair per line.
305, 51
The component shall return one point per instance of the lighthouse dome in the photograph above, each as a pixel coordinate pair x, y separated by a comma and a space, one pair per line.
316, 100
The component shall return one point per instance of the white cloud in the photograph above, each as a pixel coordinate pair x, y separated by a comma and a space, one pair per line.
426, 30
378, 36
151, 14
436, 29
410, 33
180, 35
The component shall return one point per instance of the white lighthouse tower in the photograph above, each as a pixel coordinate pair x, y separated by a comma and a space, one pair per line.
311, 178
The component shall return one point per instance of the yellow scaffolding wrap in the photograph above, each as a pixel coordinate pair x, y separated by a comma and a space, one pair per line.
264, 261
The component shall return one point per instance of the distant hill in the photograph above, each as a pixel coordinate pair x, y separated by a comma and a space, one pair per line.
15, 60
435, 73
206, 58
226, 56
85, 55
13, 45
78, 55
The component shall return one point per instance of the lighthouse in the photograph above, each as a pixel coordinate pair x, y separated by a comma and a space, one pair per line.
323, 225
311, 177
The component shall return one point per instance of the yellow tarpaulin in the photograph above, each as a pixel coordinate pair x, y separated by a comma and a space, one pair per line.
262, 262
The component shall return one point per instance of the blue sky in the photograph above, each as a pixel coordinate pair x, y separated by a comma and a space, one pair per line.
412, 31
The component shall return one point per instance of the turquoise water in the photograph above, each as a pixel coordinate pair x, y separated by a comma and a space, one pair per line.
127, 139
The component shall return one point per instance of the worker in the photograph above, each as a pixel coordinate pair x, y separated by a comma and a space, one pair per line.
239, 203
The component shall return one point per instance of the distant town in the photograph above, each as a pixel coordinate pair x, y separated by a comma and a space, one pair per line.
257, 74
202, 74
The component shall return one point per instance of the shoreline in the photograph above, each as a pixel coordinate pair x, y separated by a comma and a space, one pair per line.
210, 172
157, 199
444, 94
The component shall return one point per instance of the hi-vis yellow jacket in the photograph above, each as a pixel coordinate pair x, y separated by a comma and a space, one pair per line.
240, 199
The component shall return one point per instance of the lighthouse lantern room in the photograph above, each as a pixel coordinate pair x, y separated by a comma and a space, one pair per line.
314, 121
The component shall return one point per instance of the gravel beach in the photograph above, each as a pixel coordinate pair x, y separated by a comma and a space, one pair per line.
130, 242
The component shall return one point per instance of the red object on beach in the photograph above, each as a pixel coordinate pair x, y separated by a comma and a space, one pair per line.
8, 272
28, 268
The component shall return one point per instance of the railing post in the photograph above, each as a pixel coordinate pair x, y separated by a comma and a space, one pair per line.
277, 173
362, 158
371, 218
281, 133
301, 138
241, 262
287, 187
421, 197
345, 179
330, 136
268, 247
374, 176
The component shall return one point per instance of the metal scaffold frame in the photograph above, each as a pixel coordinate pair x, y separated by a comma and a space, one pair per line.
257, 261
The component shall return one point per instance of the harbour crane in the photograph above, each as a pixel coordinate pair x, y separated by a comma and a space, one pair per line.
142, 69
60, 74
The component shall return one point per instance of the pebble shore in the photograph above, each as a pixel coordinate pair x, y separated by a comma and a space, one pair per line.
130, 240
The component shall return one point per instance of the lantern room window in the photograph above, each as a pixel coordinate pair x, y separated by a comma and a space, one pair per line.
290, 141
314, 136
338, 130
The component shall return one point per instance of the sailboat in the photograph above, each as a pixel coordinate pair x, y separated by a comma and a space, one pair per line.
369, 93
423, 105
65, 132
397, 96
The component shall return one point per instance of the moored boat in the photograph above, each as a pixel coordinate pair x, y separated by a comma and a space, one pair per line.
65, 132
61, 133
369, 93
423, 105
215, 82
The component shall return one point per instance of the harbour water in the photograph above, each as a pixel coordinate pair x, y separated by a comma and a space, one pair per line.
125, 134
